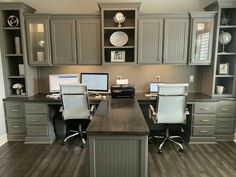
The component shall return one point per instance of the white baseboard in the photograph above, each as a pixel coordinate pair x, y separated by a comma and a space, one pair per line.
3, 139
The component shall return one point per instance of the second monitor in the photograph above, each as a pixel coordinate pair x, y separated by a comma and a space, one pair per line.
96, 82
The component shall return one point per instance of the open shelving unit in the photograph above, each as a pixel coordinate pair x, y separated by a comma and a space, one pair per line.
228, 56
13, 47
129, 27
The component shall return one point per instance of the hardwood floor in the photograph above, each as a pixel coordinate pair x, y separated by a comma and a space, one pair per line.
27, 160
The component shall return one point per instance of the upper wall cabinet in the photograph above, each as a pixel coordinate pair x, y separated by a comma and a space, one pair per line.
202, 25
89, 40
176, 39
38, 39
119, 33
63, 40
150, 40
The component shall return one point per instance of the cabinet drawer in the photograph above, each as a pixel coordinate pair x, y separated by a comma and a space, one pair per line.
34, 119
203, 130
16, 126
35, 108
37, 131
224, 125
225, 109
205, 119
14, 109
205, 108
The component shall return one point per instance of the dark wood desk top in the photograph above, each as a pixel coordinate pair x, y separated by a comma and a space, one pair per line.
118, 117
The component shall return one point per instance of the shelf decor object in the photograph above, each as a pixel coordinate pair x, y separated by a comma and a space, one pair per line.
117, 56
224, 39
119, 38
224, 68
119, 18
17, 45
224, 20
13, 21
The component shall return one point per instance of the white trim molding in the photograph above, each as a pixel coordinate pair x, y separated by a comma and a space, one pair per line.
235, 137
3, 139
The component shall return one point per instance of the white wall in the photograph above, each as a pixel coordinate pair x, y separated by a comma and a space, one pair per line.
90, 6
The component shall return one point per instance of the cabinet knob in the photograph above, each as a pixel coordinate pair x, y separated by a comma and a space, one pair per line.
224, 109
204, 108
203, 131
205, 120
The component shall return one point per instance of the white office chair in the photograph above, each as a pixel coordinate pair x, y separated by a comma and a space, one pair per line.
171, 109
75, 108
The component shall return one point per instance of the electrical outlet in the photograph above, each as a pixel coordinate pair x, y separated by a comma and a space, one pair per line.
119, 77
158, 78
191, 78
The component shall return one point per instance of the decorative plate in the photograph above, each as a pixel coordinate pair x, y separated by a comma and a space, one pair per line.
119, 38
13, 21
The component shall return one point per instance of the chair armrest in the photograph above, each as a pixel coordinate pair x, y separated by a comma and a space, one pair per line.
92, 109
187, 112
61, 109
152, 113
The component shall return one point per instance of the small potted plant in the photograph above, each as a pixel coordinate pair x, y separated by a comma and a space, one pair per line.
18, 88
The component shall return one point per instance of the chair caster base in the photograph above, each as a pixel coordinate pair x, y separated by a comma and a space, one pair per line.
160, 151
83, 145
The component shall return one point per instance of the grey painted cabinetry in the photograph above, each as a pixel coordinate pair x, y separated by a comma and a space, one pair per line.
63, 40
38, 38
225, 120
163, 33
15, 120
150, 40
202, 25
89, 40
203, 122
176, 40
38, 124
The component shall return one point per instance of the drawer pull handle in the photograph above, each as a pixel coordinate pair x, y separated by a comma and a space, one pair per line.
32, 109
204, 108
16, 126
203, 131
34, 120
222, 126
15, 110
224, 109
205, 120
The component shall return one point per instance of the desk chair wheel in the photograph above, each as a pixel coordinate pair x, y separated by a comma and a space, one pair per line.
83, 145
160, 151
181, 150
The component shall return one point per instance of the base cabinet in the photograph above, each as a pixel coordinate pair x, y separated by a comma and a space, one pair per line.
38, 125
225, 121
15, 120
203, 123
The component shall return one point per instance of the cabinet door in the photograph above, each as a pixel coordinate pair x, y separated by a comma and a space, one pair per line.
175, 41
202, 35
37, 30
63, 40
150, 41
89, 41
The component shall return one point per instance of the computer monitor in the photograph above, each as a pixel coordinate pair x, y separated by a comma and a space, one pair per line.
56, 79
153, 87
96, 82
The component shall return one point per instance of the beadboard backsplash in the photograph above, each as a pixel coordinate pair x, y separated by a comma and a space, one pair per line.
140, 75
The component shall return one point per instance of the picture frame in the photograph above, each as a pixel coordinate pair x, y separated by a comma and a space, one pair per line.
224, 68
117, 56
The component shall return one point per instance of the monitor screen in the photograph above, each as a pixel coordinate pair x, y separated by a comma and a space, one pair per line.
153, 87
56, 79
97, 82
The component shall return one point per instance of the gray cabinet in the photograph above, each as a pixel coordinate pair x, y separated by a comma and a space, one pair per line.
15, 120
89, 40
38, 39
176, 40
202, 25
225, 120
38, 124
203, 122
150, 40
63, 40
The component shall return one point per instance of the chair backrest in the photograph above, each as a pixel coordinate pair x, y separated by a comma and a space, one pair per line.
171, 104
75, 101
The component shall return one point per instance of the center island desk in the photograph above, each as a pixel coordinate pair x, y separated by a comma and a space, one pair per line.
118, 140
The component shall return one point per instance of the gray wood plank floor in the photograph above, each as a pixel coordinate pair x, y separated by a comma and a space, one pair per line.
25, 160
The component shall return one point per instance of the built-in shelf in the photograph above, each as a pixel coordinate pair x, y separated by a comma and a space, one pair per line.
118, 28
226, 53
11, 28
114, 47
15, 77
227, 26
13, 55
224, 75
223, 95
